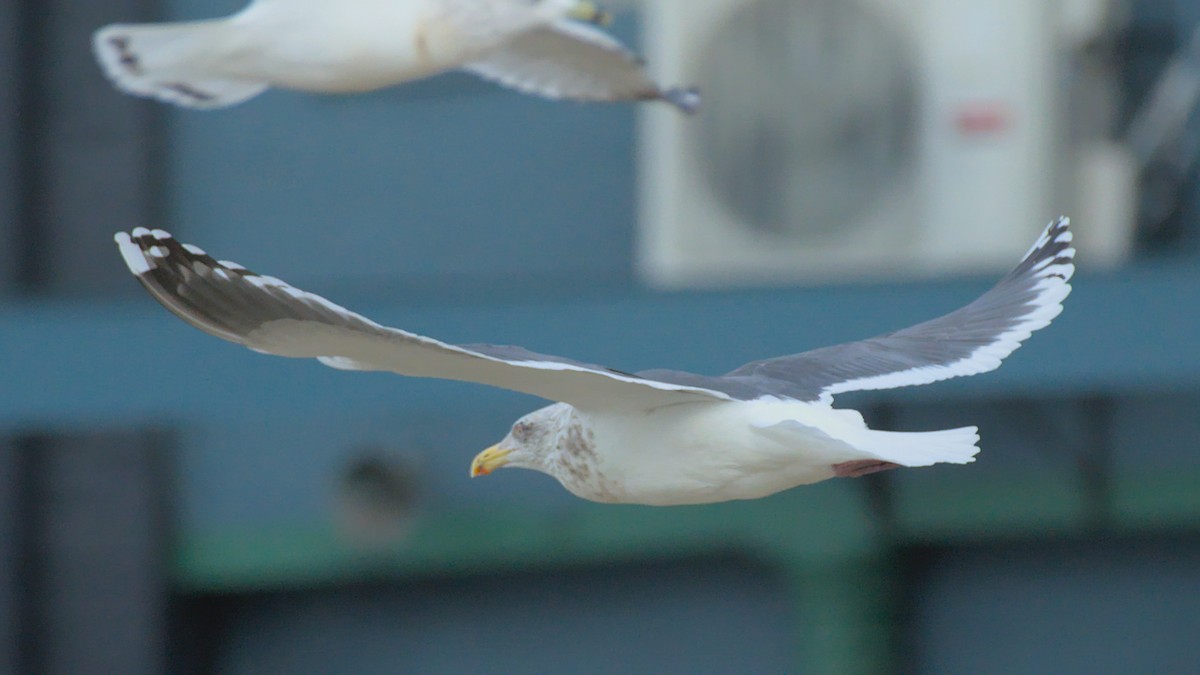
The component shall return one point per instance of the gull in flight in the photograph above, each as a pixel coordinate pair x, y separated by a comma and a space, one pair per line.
541, 47
658, 437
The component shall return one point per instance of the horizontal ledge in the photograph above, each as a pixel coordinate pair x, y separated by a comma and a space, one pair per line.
85, 363
779, 529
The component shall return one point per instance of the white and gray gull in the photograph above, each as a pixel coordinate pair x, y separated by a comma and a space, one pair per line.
541, 47
657, 437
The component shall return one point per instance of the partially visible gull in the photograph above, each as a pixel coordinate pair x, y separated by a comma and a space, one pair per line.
535, 46
657, 437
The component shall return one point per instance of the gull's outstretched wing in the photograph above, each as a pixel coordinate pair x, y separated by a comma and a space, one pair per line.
968, 341
568, 60
173, 62
267, 315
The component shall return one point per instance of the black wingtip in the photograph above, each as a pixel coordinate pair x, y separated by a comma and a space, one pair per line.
1056, 240
143, 249
1053, 254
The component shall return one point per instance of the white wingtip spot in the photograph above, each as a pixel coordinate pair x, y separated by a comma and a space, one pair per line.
194, 250
135, 260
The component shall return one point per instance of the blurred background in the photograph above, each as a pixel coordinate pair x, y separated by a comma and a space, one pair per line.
172, 503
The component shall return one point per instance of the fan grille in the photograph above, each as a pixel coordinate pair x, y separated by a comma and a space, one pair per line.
810, 114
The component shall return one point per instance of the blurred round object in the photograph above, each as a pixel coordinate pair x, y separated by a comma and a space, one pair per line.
809, 115
378, 500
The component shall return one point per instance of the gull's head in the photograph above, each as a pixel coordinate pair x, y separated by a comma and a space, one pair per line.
528, 444
579, 10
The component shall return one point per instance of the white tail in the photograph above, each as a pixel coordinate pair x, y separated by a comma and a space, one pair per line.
841, 436
921, 448
169, 62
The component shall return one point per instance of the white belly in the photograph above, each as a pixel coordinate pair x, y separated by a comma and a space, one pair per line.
702, 453
341, 46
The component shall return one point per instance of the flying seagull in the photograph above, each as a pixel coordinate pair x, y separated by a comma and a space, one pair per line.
341, 46
658, 437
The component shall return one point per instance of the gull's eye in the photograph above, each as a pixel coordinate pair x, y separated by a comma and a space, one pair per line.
522, 430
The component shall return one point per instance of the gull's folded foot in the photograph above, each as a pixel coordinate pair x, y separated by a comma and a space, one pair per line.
861, 467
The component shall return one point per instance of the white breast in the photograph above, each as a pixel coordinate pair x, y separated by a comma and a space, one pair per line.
344, 45
711, 452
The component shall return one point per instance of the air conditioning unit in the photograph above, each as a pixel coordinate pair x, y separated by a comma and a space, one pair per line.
848, 138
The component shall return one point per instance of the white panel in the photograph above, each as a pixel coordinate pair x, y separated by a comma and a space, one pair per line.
978, 139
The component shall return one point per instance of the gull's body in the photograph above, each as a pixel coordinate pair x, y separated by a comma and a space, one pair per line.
346, 46
298, 44
735, 450
658, 437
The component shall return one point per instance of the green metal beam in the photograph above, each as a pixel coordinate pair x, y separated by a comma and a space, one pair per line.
804, 526
822, 539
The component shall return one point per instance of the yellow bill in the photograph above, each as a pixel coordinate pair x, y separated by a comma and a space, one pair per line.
489, 460
590, 12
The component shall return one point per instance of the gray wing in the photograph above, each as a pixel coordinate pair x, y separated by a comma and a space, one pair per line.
267, 315
971, 340
568, 60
